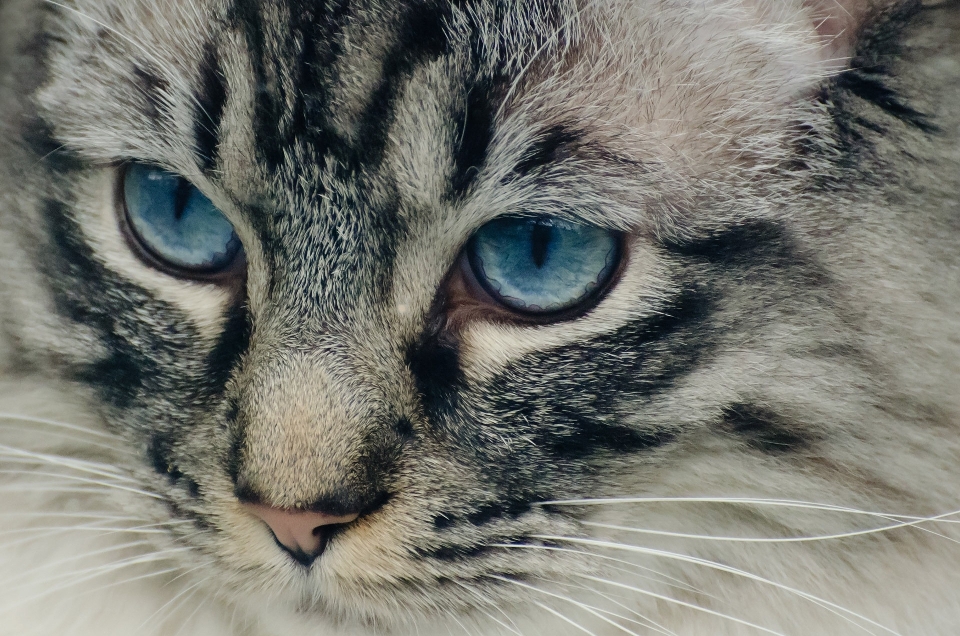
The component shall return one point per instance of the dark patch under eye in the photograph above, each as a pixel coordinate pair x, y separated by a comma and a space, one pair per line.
434, 362
159, 451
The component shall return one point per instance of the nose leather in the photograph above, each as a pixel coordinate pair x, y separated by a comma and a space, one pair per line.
299, 531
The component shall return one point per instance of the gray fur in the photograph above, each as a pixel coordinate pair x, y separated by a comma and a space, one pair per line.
786, 326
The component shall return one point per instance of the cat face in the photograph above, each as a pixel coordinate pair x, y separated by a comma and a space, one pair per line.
374, 290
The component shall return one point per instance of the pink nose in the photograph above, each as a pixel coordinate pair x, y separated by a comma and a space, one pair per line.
301, 532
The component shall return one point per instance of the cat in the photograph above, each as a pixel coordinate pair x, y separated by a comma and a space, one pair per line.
479, 317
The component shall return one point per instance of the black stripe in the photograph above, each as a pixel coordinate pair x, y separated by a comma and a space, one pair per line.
152, 86
434, 363
211, 100
763, 429
38, 137
232, 344
749, 237
246, 15
871, 84
77, 277
160, 453
553, 145
872, 79
474, 132
318, 29
456, 553
421, 37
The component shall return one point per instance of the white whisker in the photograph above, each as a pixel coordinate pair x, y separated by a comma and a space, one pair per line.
77, 557
675, 601
41, 420
95, 468
564, 618
651, 624
595, 611
823, 537
664, 579
838, 610
84, 480
943, 517
489, 603
93, 573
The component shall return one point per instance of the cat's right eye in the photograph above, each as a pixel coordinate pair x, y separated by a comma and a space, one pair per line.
175, 224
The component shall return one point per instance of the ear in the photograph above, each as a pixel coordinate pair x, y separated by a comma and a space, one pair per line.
839, 22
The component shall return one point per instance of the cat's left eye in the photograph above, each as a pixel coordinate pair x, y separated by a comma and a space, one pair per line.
175, 224
542, 267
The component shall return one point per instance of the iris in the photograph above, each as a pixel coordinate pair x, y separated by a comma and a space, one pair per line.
542, 265
176, 223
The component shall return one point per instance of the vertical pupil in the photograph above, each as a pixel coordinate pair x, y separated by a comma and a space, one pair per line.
181, 197
540, 240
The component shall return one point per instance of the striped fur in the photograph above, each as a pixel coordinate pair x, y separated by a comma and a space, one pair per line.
777, 359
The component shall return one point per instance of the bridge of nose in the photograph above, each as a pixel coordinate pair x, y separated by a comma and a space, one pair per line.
311, 436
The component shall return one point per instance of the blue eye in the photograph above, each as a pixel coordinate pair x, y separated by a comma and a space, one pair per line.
544, 265
175, 223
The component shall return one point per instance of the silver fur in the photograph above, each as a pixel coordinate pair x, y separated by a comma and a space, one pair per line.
754, 431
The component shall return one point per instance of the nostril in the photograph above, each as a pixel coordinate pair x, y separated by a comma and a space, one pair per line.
302, 533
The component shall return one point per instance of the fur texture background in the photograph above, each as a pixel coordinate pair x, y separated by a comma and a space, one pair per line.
753, 431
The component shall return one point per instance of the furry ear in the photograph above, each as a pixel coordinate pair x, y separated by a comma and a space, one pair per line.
839, 22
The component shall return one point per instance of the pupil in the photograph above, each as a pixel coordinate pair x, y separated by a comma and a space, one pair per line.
540, 240
182, 196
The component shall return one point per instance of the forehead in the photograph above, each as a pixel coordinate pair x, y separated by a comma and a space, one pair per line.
331, 129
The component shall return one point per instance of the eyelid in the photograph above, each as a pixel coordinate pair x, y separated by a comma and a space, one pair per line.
465, 298
233, 276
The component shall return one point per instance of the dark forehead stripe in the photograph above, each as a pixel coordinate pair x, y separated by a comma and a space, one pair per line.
474, 131
553, 145
420, 37
307, 53
211, 100
152, 87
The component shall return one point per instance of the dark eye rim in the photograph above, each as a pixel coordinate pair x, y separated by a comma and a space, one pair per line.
227, 276
467, 294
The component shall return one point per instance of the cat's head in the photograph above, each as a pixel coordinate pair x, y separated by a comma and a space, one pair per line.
368, 285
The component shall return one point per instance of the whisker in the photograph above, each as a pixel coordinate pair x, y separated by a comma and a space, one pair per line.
564, 618
824, 537
16, 417
77, 557
667, 579
676, 601
489, 603
651, 624
750, 501
188, 619
171, 605
584, 606
93, 573
838, 610
82, 465
82, 480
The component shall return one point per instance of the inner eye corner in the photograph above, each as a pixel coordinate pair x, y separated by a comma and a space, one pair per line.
147, 216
